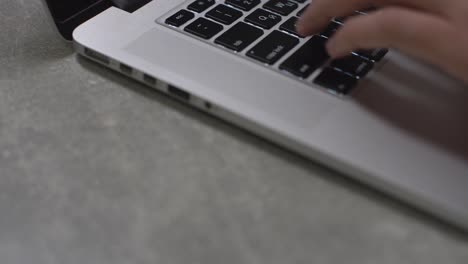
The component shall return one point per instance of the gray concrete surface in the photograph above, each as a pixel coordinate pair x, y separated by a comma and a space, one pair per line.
95, 168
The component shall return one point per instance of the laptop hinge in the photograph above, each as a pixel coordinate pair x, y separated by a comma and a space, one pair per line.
130, 5
66, 24
67, 19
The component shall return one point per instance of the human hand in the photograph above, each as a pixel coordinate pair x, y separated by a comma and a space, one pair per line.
432, 30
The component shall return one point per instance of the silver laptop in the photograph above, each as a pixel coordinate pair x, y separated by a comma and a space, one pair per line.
378, 116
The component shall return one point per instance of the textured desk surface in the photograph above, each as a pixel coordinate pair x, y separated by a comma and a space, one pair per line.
95, 168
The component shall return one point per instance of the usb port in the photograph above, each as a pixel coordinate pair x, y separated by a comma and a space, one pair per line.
126, 69
179, 93
149, 79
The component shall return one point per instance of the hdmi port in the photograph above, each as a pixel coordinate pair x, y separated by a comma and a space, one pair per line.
179, 93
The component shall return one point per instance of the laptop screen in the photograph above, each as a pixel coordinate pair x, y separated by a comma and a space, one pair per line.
62, 10
69, 14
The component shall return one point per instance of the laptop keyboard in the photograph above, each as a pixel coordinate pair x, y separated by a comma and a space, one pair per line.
264, 32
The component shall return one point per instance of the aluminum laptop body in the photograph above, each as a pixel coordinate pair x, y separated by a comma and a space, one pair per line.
402, 129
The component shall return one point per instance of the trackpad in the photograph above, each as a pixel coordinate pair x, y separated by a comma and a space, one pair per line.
210, 72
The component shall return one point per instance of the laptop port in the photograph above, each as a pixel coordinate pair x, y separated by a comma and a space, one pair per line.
149, 79
178, 93
126, 69
96, 56
208, 105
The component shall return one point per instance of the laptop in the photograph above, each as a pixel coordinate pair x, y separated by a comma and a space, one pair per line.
378, 116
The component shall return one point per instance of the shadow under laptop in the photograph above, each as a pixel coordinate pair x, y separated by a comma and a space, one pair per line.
325, 173
420, 101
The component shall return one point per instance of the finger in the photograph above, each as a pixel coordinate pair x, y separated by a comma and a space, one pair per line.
420, 34
320, 12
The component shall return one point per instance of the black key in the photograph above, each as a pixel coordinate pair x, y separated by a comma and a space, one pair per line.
180, 18
300, 1
290, 26
282, 7
204, 28
245, 5
311, 56
302, 11
353, 65
201, 5
373, 55
273, 47
224, 14
331, 29
263, 18
239, 36
336, 81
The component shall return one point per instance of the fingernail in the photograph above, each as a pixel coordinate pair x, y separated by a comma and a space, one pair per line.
300, 27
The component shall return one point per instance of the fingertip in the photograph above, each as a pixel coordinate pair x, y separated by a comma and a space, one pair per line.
309, 23
302, 27
335, 49
332, 48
